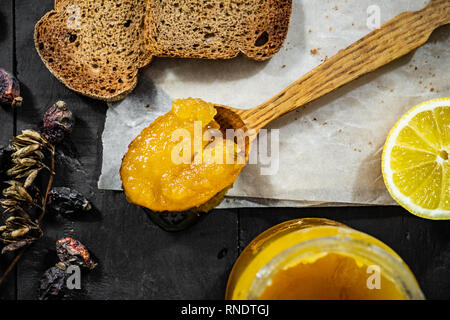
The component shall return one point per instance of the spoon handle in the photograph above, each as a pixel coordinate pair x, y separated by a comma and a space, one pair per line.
394, 39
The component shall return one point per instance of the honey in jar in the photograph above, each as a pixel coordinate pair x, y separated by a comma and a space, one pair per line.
319, 259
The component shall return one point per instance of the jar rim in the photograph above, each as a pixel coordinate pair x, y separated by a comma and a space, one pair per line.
393, 266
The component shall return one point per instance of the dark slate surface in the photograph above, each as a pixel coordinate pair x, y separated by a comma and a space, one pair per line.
138, 260
6, 116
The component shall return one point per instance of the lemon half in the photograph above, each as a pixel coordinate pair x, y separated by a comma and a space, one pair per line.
415, 161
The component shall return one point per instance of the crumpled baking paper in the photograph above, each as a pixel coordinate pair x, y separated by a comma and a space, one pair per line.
329, 151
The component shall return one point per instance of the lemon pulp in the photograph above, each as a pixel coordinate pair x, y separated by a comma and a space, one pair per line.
416, 166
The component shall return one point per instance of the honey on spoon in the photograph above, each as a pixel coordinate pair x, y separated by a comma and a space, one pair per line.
153, 180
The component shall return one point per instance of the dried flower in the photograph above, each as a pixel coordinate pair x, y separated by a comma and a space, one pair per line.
26, 156
52, 283
9, 89
66, 201
71, 251
58, 122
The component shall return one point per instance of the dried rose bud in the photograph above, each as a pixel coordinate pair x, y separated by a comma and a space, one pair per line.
52, 284
66, 201
58, 122
72, 251
9, 89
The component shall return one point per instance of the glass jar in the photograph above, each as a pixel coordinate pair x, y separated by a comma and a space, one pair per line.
319, 259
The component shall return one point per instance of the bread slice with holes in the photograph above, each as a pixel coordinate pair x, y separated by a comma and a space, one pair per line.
96, 47
217, 29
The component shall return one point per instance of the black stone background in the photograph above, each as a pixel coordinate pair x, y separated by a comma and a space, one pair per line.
138, 260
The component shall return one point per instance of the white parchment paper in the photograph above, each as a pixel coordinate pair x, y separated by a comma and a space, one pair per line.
330, 152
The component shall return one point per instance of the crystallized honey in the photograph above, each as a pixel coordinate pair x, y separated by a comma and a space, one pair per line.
179, 162
319, 259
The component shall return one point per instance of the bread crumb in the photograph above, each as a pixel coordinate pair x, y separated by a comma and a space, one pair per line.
309, 31
314, 51
432, 89
331, 29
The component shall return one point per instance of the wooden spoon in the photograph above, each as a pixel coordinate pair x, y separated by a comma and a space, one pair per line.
393, 40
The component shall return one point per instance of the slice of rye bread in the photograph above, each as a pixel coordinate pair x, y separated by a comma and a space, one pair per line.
96, 47
217, 29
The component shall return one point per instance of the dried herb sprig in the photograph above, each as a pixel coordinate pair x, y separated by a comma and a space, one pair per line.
30, 152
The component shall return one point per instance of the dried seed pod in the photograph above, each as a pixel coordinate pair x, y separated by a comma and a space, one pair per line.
30, 178
72, 251
38, 154
66, 200
14, 171
17, 192
52, 284
15, 245
9, 89
31, 135
19, 232
25, 151
58, 122
5, 203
